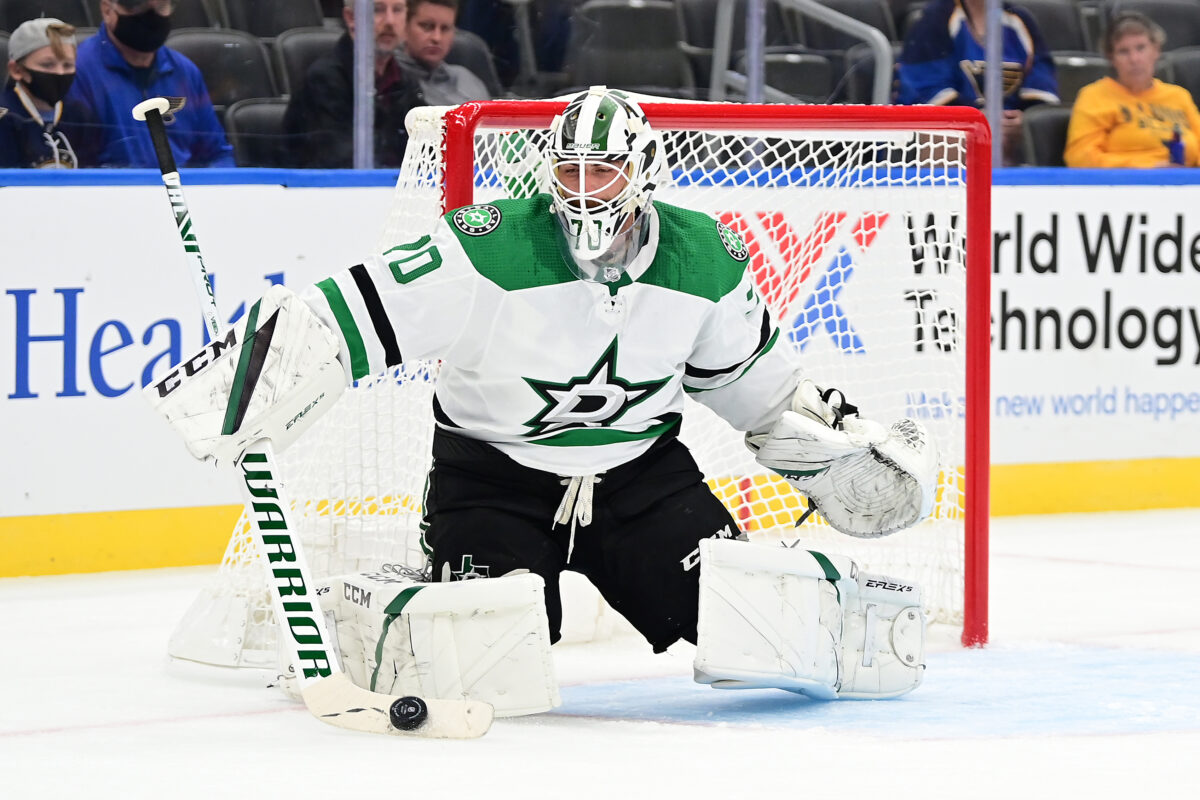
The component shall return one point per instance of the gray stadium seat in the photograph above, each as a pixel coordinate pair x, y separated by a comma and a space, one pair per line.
1044, 133
630, 44
255, 128
471, 51
1185, 69
1179, 18
189, 14
3, 47
234, 63
806, 76
1076, 70
72, 12
876, 13
698, 20
269, 18
295, 49
1060, 23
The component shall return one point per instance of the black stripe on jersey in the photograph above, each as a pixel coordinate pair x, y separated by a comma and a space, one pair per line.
441, 417
379, 317
764, 337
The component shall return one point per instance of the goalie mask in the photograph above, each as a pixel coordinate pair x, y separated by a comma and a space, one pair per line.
603, 161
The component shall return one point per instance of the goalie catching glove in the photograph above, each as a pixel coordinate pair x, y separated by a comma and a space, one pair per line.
269, 377
865, 480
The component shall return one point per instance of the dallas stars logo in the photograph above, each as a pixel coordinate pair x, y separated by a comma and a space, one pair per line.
593, 401
733, 243
477, 220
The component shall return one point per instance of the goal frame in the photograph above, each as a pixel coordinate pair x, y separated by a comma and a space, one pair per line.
458, 187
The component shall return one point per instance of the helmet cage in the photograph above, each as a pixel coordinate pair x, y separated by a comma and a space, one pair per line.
600, 126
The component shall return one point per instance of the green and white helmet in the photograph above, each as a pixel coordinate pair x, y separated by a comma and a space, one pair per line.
602, 136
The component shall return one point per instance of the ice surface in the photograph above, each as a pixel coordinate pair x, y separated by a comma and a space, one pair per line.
1090, 688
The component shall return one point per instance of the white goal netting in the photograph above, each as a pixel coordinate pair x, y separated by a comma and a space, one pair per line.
859, 223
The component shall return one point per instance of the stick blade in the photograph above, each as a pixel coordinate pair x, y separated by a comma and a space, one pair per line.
338, 702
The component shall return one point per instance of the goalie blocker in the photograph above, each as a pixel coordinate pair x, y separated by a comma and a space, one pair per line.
785, 618
269, 377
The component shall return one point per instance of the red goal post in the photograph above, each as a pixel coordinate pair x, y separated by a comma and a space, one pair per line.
463, 123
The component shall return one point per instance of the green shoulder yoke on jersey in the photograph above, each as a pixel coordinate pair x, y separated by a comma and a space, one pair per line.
696, 254
512, 242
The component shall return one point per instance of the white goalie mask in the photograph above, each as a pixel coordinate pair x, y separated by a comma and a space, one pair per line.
602, 164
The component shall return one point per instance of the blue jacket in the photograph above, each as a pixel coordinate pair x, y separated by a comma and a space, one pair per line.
943, 64
110, 87
27, 141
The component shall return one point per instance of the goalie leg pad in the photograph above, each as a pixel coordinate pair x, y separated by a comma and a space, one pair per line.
806, 622
484, 639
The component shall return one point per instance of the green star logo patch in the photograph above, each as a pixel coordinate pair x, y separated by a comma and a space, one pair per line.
477, 220
733, 242
595, 400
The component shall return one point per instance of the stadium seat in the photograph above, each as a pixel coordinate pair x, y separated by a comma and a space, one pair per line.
631, 44
189, 14
1076, 70
295, 49
72, 12
3, 47
270, 18
1044, 134
698, 21
1179, 18
1185, 69
834, 42
806, 76
234, 63
1060, 22
471, 51
857, 83
255, 128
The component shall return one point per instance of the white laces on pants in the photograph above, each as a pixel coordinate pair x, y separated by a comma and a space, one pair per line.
576, 505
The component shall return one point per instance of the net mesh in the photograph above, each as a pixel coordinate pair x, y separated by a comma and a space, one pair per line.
857, 241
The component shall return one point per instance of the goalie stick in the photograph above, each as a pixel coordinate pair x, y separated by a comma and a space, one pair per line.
327, 691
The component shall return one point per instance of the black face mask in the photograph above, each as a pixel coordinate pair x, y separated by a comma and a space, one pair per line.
145, 32
49, 87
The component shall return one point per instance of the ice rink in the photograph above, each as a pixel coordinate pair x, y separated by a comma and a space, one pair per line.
1090, 688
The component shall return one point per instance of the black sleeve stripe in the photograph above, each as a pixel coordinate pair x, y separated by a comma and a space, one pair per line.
764, 337
379, 317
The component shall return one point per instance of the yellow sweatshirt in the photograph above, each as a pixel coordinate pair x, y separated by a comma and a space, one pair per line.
1112, 127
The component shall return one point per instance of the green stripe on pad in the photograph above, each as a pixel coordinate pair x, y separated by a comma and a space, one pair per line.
392, 612
239, 375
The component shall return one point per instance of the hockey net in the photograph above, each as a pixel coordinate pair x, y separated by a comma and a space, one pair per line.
868, 233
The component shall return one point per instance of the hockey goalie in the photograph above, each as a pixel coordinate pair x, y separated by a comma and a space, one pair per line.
571, 325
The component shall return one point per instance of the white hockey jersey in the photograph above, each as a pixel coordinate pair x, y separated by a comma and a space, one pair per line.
564, 375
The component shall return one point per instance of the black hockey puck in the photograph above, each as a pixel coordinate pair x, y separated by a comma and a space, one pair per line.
408, 713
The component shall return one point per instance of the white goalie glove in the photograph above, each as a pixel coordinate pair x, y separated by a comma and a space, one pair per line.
864, 479
270, 377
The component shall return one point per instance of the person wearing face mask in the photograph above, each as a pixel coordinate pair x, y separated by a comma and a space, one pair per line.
37, 128
125, 63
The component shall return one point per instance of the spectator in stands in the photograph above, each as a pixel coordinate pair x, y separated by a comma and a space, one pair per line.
943, 63
38, 127
429, 33
125, 63
320, 115
1133, 120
